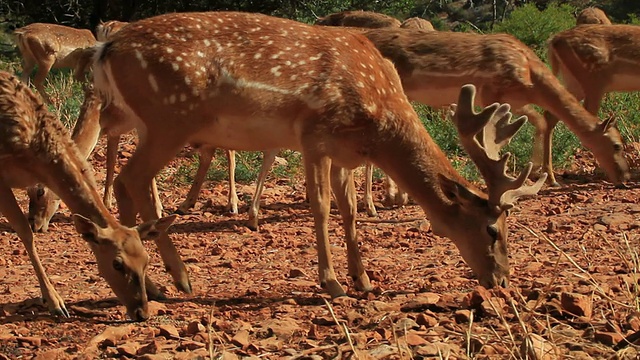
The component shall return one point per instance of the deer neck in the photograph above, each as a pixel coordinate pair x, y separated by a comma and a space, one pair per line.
414, 160
68, 174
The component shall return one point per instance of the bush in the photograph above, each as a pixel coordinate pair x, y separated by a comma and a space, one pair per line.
534, 27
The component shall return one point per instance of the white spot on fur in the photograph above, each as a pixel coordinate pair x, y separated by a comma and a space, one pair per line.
206, 42
276, 71
169, 50
360, 84
172, 99
257, 56
183, 97
153, 83
175, 66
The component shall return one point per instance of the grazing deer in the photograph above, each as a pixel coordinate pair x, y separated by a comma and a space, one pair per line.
433, 65
104, 30
592, 15
35, 148
49, 46
417, 23
252, 82
359, 19
593, 60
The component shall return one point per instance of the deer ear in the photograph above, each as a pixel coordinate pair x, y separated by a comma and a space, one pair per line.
458, 193
608, 123
151, 229
86, 228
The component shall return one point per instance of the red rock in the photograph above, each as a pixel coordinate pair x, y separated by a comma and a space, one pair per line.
535, 347
414, 339
426, 320
576, 304
607, 338
129, 349
169, 331
195, 327
462, 316
241, 338
151, 348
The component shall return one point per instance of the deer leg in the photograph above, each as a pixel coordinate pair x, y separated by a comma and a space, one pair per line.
28, 64
395, 196
268, 158
317, 169
155, 196
206, 154
592, 101
232, 203
10, 209
41, 75
345, 192
112, 156
368, 192
132, 194
542, 156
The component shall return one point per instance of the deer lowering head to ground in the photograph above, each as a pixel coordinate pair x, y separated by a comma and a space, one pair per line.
36, 148
252, 82
49, 46
359, 19
433, 65
592, 15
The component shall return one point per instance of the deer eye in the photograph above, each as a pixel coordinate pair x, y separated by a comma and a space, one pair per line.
617, 147
118, 264
40, 192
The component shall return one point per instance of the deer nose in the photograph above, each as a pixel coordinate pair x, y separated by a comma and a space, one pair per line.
139, 314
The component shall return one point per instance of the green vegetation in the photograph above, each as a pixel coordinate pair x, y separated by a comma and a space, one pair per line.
532, 24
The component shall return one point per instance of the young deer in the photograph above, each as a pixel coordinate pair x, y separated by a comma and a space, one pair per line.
592, 15
252, 82
593, 60
49, 46
433, 65
35, 147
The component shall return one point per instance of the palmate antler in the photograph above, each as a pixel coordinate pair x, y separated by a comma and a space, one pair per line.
483, 135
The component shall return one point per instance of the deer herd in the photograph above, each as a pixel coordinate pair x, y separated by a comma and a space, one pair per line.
338, 91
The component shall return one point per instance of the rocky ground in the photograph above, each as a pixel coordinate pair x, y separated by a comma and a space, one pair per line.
574, 286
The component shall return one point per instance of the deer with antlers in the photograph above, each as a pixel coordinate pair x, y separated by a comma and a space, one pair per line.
327, 92
592, 15
433, 65
593, 60
35, 148
49, 46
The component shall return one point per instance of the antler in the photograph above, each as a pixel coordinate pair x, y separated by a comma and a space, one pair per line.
483, 135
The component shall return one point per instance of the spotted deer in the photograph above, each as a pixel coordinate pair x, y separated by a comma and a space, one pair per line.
593, 60
592, 15
49, 46
433, 65
325, 91
417, 23
35, 148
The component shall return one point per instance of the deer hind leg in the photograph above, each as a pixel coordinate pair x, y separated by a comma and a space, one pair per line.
41, 75
28, 64
268, 158
345, 192
10, 209
206, 155
368, 191
132, 194
542, 156
232, 203
317, 169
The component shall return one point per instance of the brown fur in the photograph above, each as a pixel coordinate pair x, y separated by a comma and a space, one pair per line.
433, 65
35, 147
49, 46
592, 15
359, 19
324, 91
417, 23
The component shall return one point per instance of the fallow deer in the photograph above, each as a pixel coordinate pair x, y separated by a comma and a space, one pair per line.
35, 148
359, 19
49, 46
104, 30
592, 15
593, 60
433, 65
252, 82
417, 23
